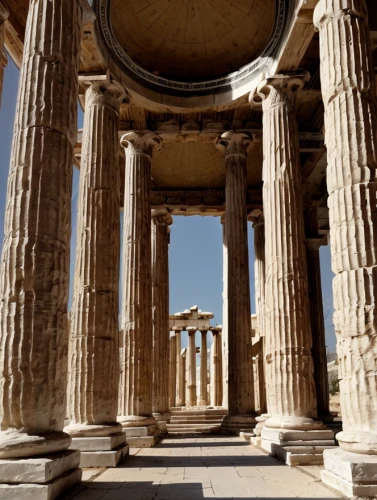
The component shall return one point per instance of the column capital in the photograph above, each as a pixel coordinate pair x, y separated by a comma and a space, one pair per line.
141, 142
326, 10
191, 330
278, 88
232, 143
216, 329
103, 90
256, 217
314, 243
162, 216
177, 329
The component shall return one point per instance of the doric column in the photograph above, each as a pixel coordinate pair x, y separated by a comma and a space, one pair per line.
291, 395
203, 370
3, 57
216, 375
260, 278
173, 371
181, 375
349, 96
93, 363
160, 313
224, 335
191, 362
238, 327
136, 377
34, 273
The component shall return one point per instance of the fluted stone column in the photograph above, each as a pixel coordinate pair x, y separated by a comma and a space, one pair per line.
216, 375
238, 326
349, 96
259, 272
317, 326
224, 336
93, 363
291, 395
3, 57
173, 371
135, 408
203, 370
34, 272
160, 313
191, 362
181, 375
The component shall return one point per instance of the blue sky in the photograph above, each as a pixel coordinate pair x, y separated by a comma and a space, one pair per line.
196, 242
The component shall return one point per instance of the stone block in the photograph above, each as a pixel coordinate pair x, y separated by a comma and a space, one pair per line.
284, 436
98, 443
135, 431
347, 488
38, 470
49, 491
104, 458
141, 442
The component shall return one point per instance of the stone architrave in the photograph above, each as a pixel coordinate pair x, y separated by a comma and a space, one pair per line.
34, 272
224, 335
160, 313
135, 400
3, 57
349, 96
191, 368
238, 326
181, 375
203, 370
291, 393
173, 371
94, 332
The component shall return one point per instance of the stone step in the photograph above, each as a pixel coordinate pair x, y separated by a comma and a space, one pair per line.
198, 412
195, 421
199, 417
191, 426
203, 429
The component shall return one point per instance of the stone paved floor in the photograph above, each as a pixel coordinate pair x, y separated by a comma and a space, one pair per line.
194, 468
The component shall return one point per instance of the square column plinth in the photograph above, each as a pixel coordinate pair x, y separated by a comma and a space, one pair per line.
352, 474
297, 447
41, 478
105, 451
142, 437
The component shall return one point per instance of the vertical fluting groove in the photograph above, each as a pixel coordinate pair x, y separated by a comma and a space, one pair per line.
289, 364
173, 371
224, 336
191, 368
349, 95
94, 368
34, 276
160, 313
203, 369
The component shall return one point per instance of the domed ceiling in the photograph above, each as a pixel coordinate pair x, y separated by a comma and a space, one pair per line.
192, 40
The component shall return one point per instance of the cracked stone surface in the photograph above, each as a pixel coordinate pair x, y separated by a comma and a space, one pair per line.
200, 467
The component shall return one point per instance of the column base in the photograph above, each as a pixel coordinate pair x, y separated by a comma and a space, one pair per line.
297, 447
141, 432
256, 440
40, 478
352, 474
237, 424
106, 451
162, 420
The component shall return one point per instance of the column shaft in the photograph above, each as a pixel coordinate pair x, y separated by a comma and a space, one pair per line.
160, 313
349, 96
173, 371
238, 324
216, 386
94, 367
224, 336
136, 375
191, 361
203, 370
34, 277
291, 389
181, 396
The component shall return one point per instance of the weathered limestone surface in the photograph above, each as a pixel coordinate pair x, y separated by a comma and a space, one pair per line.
173, 371
136, 369
160, 311
3, 57
34, 275
349, 96
216, 371
224, 334
289, 364
203, 370
317, 326
191, 368
238, 326
93, 363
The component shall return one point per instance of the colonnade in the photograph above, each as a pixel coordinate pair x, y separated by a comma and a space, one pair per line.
35, 260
